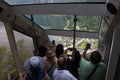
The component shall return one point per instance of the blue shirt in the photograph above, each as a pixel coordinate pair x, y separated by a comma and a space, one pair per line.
34, 73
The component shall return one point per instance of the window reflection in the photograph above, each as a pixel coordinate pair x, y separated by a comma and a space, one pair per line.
24, 45
7, 65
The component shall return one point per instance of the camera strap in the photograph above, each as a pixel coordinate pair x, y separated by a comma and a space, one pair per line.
92, 72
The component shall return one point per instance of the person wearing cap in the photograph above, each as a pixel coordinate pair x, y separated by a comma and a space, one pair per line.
34, 69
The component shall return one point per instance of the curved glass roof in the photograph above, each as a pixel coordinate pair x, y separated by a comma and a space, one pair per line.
49, 19
65, 22
20, 2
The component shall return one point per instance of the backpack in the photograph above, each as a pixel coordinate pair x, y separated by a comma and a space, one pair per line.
36, 74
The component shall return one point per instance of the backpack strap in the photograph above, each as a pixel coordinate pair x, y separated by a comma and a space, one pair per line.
92, 72
49, 69
41, 75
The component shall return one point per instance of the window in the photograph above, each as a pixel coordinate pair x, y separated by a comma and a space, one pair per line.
7, 64
24, 45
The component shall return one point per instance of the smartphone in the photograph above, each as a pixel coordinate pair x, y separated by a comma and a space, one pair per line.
69, 52
88, 45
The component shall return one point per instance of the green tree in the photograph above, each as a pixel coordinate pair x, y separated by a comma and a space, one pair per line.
24, 53
84, 23
7, 66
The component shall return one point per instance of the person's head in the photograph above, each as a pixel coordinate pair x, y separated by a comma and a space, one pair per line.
95, 57
42, 51
34, 62
59, 50
61, 63
35, 67
53, 41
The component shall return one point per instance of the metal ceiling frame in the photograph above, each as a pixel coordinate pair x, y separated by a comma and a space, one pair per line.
69, 33
87, 9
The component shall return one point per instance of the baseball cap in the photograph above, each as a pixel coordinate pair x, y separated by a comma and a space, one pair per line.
34, 61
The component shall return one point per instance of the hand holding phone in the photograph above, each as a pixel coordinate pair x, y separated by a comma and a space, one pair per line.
88, 45
70, 49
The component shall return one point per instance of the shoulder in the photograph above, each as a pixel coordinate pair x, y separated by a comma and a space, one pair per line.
27, 62
102, 66
40, 58
84, 62
55, 71
68, 75
64, 73
42, 62
27, 66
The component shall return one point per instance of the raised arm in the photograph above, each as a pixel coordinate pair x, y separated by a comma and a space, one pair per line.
85, 50
84, 53
47, 77
21, 76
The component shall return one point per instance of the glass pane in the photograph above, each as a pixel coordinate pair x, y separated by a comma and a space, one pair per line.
25, 45
19, 2
50, 21
80, 43
7, 65
65, 22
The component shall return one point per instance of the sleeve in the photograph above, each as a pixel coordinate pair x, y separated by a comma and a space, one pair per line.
71, 77
27, 66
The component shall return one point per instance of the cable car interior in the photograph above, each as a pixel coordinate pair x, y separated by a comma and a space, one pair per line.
40, 18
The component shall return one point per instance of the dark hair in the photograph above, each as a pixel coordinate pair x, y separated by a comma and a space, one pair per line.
61, 63
95, 57
53, 41
59, 50
42, 51
77, 57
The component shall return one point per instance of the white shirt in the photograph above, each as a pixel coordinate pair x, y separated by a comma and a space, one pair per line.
63, 75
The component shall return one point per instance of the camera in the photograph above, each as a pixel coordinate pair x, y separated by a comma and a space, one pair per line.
88, 46
70, 49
